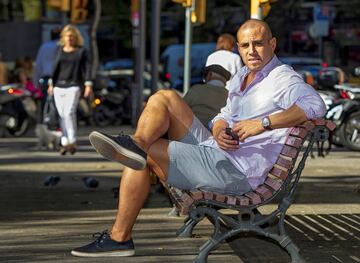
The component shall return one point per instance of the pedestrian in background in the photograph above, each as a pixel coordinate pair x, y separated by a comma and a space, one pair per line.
225, 47
206, 100
44, 65
71, 71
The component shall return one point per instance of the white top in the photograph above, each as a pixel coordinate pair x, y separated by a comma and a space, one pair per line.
227, 59
275, 88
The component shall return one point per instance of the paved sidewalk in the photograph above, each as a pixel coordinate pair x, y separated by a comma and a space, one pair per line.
42, 224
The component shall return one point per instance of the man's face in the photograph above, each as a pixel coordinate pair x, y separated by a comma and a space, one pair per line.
255, 47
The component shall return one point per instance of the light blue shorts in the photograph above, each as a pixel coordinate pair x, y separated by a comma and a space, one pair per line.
194, 166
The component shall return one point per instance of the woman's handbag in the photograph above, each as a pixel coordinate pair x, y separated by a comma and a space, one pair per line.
50, 114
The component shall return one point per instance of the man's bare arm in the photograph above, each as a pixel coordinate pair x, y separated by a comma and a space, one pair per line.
288, 118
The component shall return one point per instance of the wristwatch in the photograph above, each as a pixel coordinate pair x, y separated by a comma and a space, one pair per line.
265, 122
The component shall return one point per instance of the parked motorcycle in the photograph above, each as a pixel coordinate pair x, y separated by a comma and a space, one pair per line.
343, 107
17, 110
348, 116
111, 103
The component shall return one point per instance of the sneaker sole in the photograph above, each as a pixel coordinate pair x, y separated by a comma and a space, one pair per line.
120, 253
114, 152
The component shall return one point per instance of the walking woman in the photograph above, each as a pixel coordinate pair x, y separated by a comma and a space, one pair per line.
71, 72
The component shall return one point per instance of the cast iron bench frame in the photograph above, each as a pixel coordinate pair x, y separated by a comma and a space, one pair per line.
281, 183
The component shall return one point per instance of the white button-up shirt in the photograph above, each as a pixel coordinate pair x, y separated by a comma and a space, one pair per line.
275, 88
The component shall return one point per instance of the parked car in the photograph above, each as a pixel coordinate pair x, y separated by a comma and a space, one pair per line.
173, 63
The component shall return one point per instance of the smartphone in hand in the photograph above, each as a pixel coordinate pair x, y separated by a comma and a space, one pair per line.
234, 136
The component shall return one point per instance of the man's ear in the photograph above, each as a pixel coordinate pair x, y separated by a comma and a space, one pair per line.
206, 76
273, 43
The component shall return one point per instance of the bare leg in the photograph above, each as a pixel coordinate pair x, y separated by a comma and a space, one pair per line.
165, 112
134, 189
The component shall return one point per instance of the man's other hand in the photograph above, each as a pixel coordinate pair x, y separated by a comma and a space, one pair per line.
247, 128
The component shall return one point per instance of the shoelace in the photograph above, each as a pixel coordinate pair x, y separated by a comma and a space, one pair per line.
124, 139
100, 236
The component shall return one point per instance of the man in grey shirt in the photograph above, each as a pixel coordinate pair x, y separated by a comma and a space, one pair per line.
206, 100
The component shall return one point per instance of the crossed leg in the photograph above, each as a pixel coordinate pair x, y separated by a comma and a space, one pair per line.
164, 112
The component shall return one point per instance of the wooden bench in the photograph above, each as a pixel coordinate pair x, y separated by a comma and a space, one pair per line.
280, 183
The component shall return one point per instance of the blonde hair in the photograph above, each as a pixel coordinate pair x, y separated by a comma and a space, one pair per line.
226, 42
79, 40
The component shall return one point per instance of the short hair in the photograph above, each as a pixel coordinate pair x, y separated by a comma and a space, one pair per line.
251, 23
79, 41
226, 42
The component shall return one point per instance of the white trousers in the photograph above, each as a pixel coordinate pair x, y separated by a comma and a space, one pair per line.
66, 101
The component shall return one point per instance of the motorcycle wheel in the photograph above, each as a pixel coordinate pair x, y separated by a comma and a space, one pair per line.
101, 116
336, 139
20, 129
350, 132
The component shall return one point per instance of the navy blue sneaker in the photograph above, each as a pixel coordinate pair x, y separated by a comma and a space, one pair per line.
121, 149
104, 246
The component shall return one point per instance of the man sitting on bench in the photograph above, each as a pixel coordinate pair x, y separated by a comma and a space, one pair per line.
265, 99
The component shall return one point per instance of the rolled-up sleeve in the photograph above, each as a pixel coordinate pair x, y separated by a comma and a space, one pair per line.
297, 92
313, 105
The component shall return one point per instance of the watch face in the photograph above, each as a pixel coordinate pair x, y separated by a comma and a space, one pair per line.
265, 122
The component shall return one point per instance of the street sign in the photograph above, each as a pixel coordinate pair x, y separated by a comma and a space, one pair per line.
321, 15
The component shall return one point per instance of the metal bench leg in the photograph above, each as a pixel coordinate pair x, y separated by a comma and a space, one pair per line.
205, 251
293, 250
187, 229
195, 216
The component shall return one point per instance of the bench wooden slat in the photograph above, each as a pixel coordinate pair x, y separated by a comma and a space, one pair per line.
254, 198
330, 125
272, 183
294, 141
309, 125
186, 199
284, 162
208, 195
319, 122
299, 132
196, 194
182, 200
264, 192
220, 198
289, 151
231, 200
242, 201
279, 173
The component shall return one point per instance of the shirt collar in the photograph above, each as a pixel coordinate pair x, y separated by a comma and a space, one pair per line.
273, 63
216, 82
260, 75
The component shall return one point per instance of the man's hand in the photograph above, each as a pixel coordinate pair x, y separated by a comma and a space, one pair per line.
247, 128
225, 141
